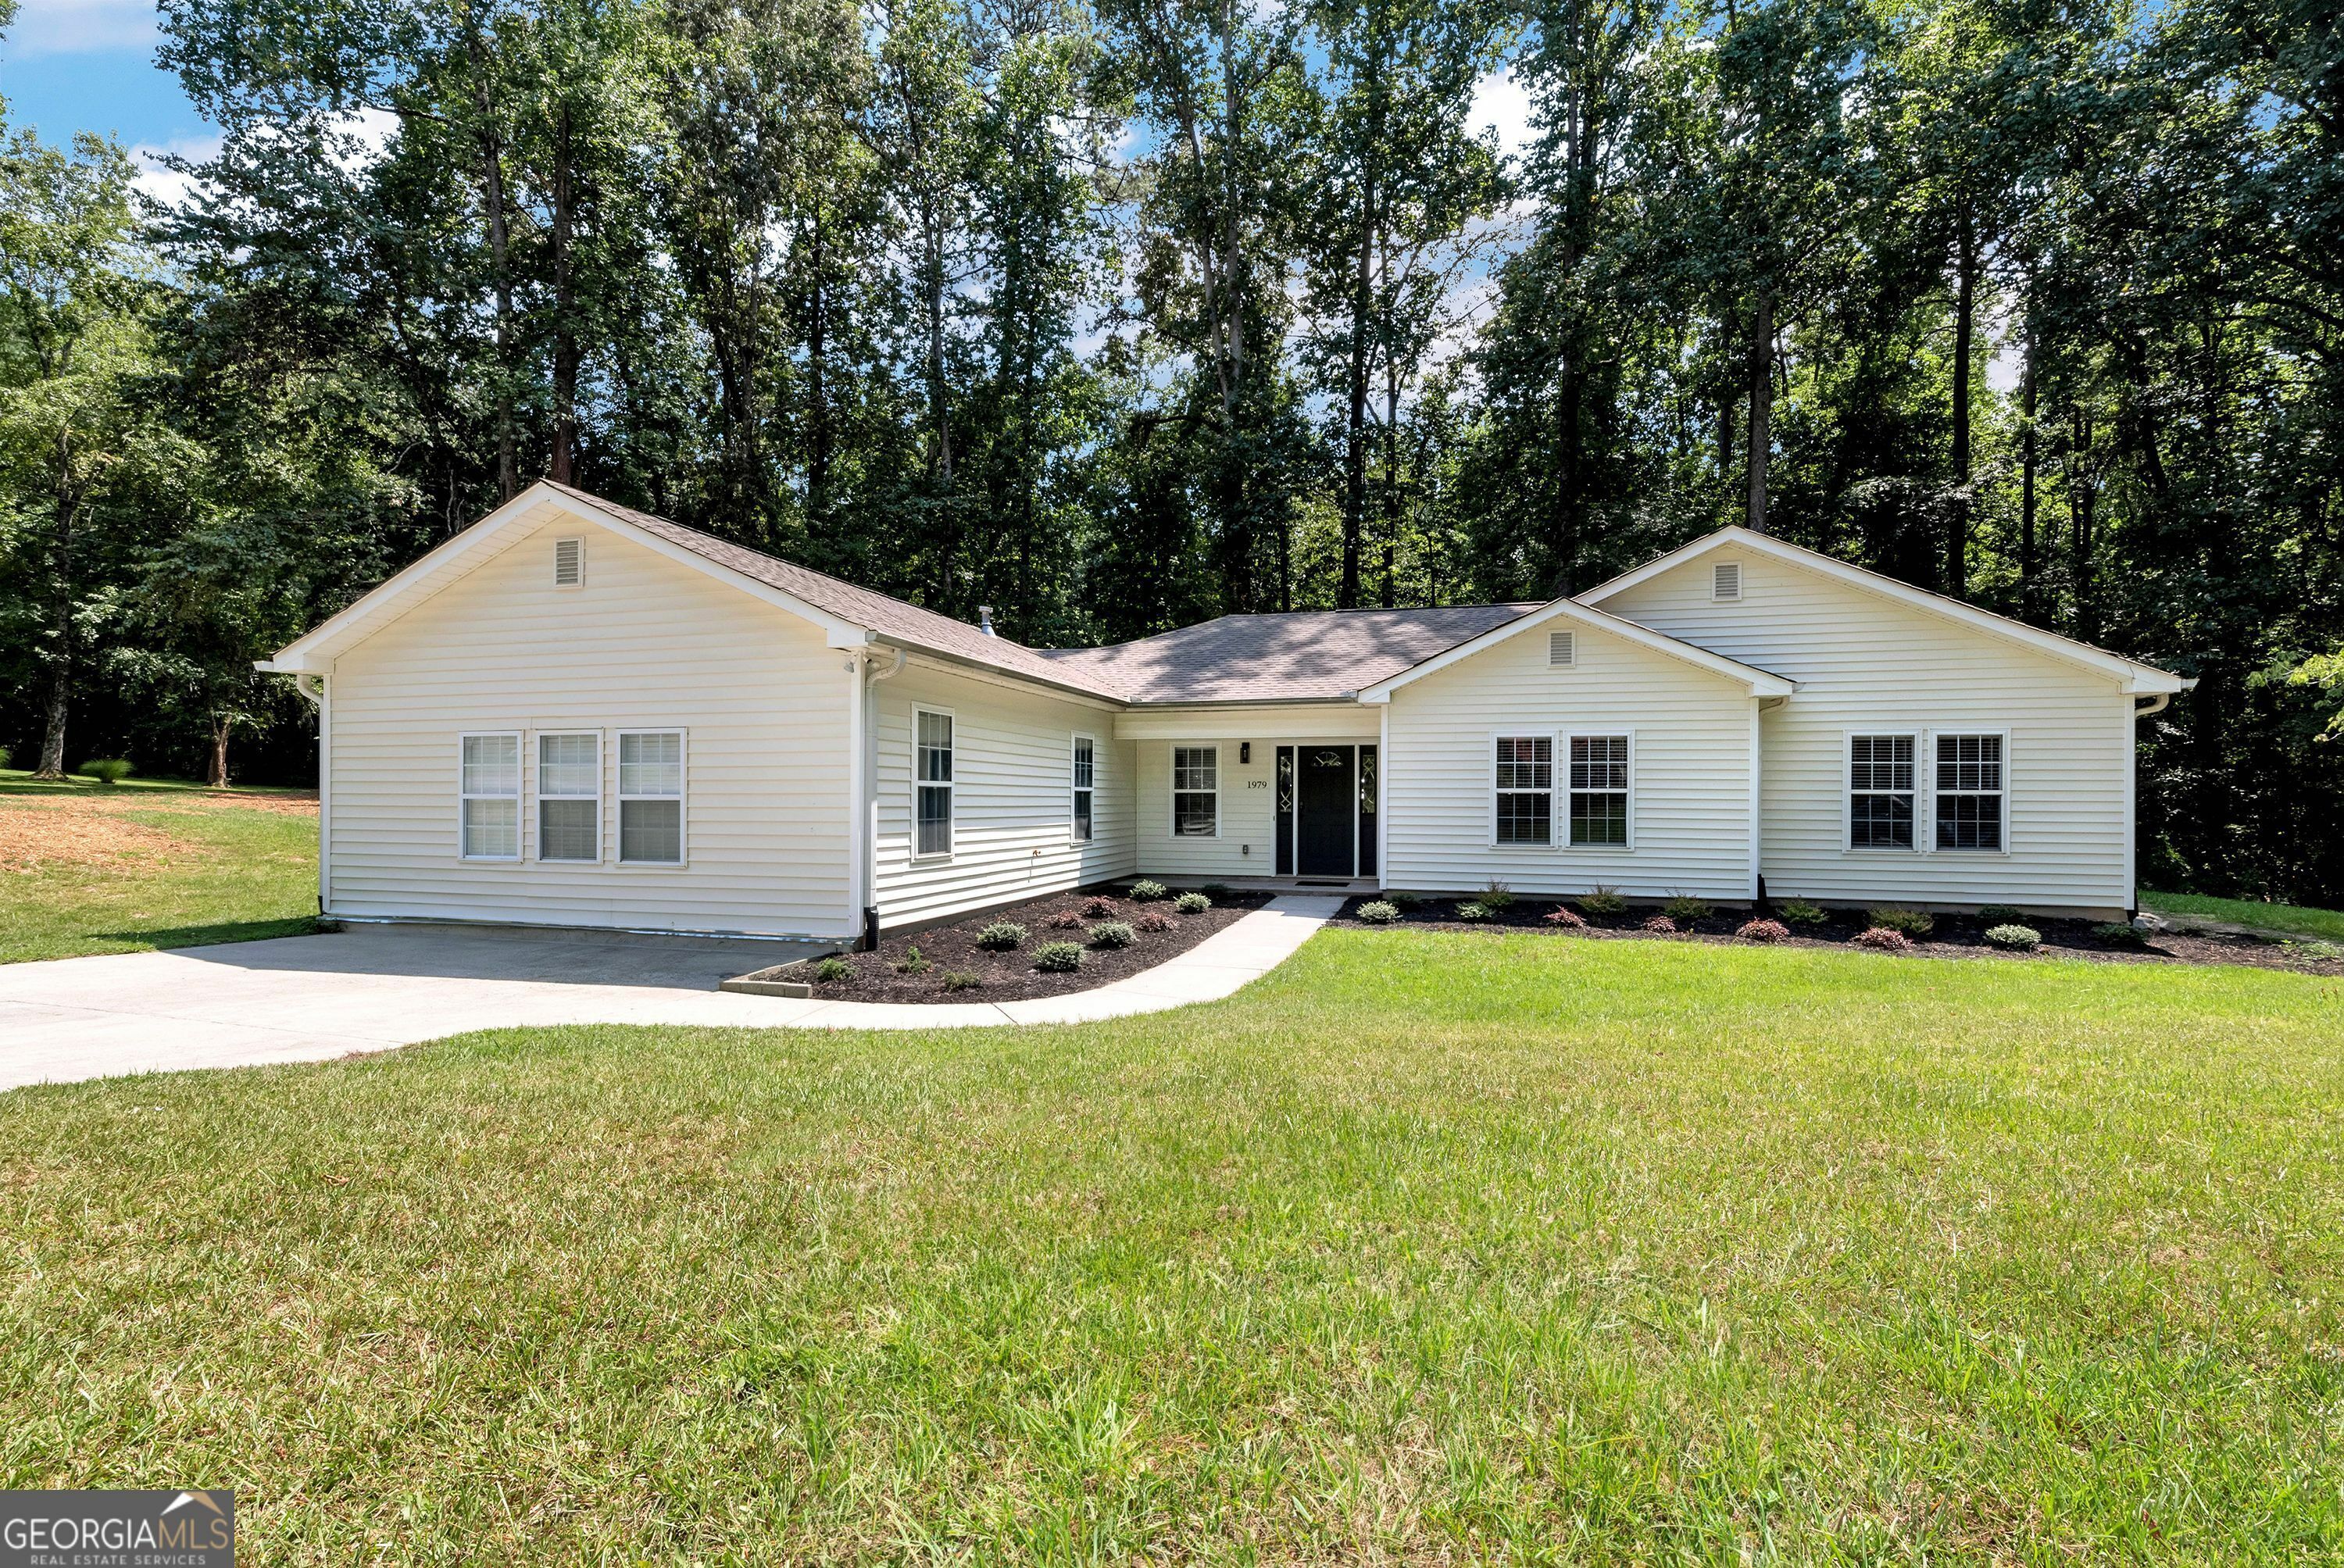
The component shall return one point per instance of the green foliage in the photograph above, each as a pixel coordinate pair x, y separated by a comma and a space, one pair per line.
1001, 936
106, 770
1192, 902
1800, 913
1472, 909
2001, 914
1058, 958
2317, 952
2017, 937
912, 963
1604, 902
1376, 912
1496, 897
960, 980
1914, 923
833, 969
2120, 933
1404, 902
1216, 890
1687, 910
1147, 891
1112, 934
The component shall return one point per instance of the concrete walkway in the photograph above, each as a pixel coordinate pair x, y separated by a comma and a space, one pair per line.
374, 987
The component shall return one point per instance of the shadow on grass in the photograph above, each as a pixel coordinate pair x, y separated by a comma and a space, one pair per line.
214, 935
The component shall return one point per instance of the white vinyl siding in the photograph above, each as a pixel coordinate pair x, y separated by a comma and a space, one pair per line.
1868, 665
644, 644
569, 796
1010, 764
1678, 786
489, 793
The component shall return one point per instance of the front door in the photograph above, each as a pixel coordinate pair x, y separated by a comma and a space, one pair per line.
1326, 810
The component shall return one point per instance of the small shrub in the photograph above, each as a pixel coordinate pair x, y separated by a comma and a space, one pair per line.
2017, 937
107, 770
2315, 951
1687, 910
1002, 937
1155, 921
1603, 903
1764, 931
1192, 902
961, 979
1102, 909
912, 963
5, 757
1660, 926
1112, 935
1799, 912
1914, 923
2118, 934
1146, 892
1376, 912
1470, 910
1562, 918
1882, 939
1217, 890
831, 969
1496, 899
1405, 902
1058, 958
2000, 915
1066, 919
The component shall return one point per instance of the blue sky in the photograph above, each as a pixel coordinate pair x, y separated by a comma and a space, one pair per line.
89, 64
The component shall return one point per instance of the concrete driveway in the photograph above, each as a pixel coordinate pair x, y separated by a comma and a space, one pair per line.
364, 988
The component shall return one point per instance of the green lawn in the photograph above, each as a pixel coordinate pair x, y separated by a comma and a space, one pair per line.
1426, 1248
148, 864
2292, 918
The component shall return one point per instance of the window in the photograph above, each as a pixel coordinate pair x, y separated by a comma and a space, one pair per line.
1725, 582
1524, 784
651, 797
1196, 791
933, 775
1599, 790
489, 795
1562, 647
569, 562
1969, 792
1880, 791
1083, 777
569, 797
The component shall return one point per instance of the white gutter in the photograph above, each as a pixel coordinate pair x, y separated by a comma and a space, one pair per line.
317, 699
865, 810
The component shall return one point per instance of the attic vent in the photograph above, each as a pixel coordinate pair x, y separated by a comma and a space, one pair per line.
1725, 580
1562, 647
569, 562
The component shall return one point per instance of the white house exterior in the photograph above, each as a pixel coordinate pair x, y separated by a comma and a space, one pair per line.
573, 714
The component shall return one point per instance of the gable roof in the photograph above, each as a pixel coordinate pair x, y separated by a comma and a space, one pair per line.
2135, 676
1762, 682
1304, 655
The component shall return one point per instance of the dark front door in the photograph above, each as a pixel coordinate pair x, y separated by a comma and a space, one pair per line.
1326, 820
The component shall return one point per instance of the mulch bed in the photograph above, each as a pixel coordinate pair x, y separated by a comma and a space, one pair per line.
1011, 977
1954, 935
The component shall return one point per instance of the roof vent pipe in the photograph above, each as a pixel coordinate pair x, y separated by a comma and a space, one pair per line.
984, 619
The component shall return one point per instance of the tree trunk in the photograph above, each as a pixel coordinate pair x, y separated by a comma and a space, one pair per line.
2028, 459
492, 192
218, 775
1957, 515
53, 731
1355, 456
818, 455
2083, 496
1762, 405
563, 464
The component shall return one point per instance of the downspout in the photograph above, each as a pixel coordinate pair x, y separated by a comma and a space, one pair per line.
1757, 881
867, 809
1383, 796
317, 699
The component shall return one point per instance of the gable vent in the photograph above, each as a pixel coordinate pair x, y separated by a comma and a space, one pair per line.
1562, 647
1725, 580
569, 562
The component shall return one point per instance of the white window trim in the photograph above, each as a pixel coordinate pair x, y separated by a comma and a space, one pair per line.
1563, 788
520, 792
950, 787
537, 797
1555, 833
579, 541
1929, 739
683, 798
1073, 790
1173, 793
1921, 805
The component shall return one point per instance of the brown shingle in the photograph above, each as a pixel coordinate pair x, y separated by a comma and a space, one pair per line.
1293, 657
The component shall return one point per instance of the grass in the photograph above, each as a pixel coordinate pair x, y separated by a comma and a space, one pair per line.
2290, 918
95, 868
1426, 1247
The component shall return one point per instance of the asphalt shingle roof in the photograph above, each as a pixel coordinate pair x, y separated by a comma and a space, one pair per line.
1297, 657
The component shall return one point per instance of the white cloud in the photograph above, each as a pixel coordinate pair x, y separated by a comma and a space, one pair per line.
169, 186
1501, 103
74, 26
373, 128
